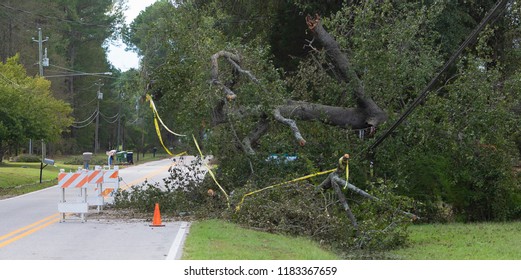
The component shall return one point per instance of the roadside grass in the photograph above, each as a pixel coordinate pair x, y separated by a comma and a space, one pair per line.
220, 240
474, 241
14, 174
18, 178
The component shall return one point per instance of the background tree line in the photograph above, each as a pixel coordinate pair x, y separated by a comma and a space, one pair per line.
78, 36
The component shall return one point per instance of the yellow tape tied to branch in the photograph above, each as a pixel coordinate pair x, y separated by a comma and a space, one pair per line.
211, 172
154, 109
343, 162
158, 130
282, 184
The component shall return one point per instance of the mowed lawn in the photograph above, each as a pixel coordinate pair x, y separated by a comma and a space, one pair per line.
220, 240
14, 174
473, 241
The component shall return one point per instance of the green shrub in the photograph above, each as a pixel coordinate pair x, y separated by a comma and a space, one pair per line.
78, 160
179, 194
27, 158
301, 210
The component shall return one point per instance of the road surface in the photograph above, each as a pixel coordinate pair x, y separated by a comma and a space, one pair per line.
30, 227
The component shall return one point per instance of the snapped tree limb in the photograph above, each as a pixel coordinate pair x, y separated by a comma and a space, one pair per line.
367, 114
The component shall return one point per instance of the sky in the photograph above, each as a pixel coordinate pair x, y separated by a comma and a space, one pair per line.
116, 53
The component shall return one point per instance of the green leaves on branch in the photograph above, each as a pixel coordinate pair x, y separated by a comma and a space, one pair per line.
27, 107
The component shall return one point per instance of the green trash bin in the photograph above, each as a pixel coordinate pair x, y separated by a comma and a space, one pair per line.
121, 156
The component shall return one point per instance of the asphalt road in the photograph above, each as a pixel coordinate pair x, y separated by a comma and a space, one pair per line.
30, 226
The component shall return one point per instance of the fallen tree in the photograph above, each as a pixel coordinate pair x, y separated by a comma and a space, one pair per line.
365, 115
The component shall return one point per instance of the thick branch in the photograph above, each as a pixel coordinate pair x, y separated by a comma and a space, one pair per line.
339, 59
356, 118
343, 201
214, 71
292, 124
215, 64
335, 178
255, 135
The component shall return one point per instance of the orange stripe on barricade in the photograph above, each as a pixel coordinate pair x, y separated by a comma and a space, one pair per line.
96, 177
76, 180
106, 192
114, 175
110, 176
83, 181
69, 179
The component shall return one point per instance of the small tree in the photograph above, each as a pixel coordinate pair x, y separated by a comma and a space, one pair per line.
27, 108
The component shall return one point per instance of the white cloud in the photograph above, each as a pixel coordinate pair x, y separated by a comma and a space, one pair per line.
117, 55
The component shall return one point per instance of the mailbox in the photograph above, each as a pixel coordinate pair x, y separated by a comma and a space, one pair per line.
86, 159
87, 156
48, 161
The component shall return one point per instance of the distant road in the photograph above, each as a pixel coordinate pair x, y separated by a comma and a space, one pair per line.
30, 227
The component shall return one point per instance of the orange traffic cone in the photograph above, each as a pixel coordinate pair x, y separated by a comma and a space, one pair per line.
156, 222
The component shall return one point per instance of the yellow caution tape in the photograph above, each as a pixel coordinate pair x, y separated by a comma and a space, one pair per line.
154, 109
282, 184
341, 166
211, 173
158, 130
180, 154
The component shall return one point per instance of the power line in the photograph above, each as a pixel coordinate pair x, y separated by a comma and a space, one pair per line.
85, 125
111, 122
472, 37
53, 17
89, 118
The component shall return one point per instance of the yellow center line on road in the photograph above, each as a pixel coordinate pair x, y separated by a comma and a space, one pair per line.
29, 229
45, 222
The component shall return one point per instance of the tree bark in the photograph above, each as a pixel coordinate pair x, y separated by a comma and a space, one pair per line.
367, 114
372, 113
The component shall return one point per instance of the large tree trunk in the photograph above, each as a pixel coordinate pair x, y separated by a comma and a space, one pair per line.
355, 118
368, 110
367, 114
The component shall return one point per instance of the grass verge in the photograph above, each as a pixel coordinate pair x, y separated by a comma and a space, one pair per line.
17, 178
220, 240
14, 174
480, 241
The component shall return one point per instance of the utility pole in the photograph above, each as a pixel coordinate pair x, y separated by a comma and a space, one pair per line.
118, 140
41, 60
96, 133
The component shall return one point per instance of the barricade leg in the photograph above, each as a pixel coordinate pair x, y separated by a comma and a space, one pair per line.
73, 181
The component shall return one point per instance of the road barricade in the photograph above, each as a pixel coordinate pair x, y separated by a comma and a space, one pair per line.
105, 181
96, 180
68, 182
110, 182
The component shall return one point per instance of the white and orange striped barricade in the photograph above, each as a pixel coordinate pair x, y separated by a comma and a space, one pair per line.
95, 178
110, 182
68, 182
